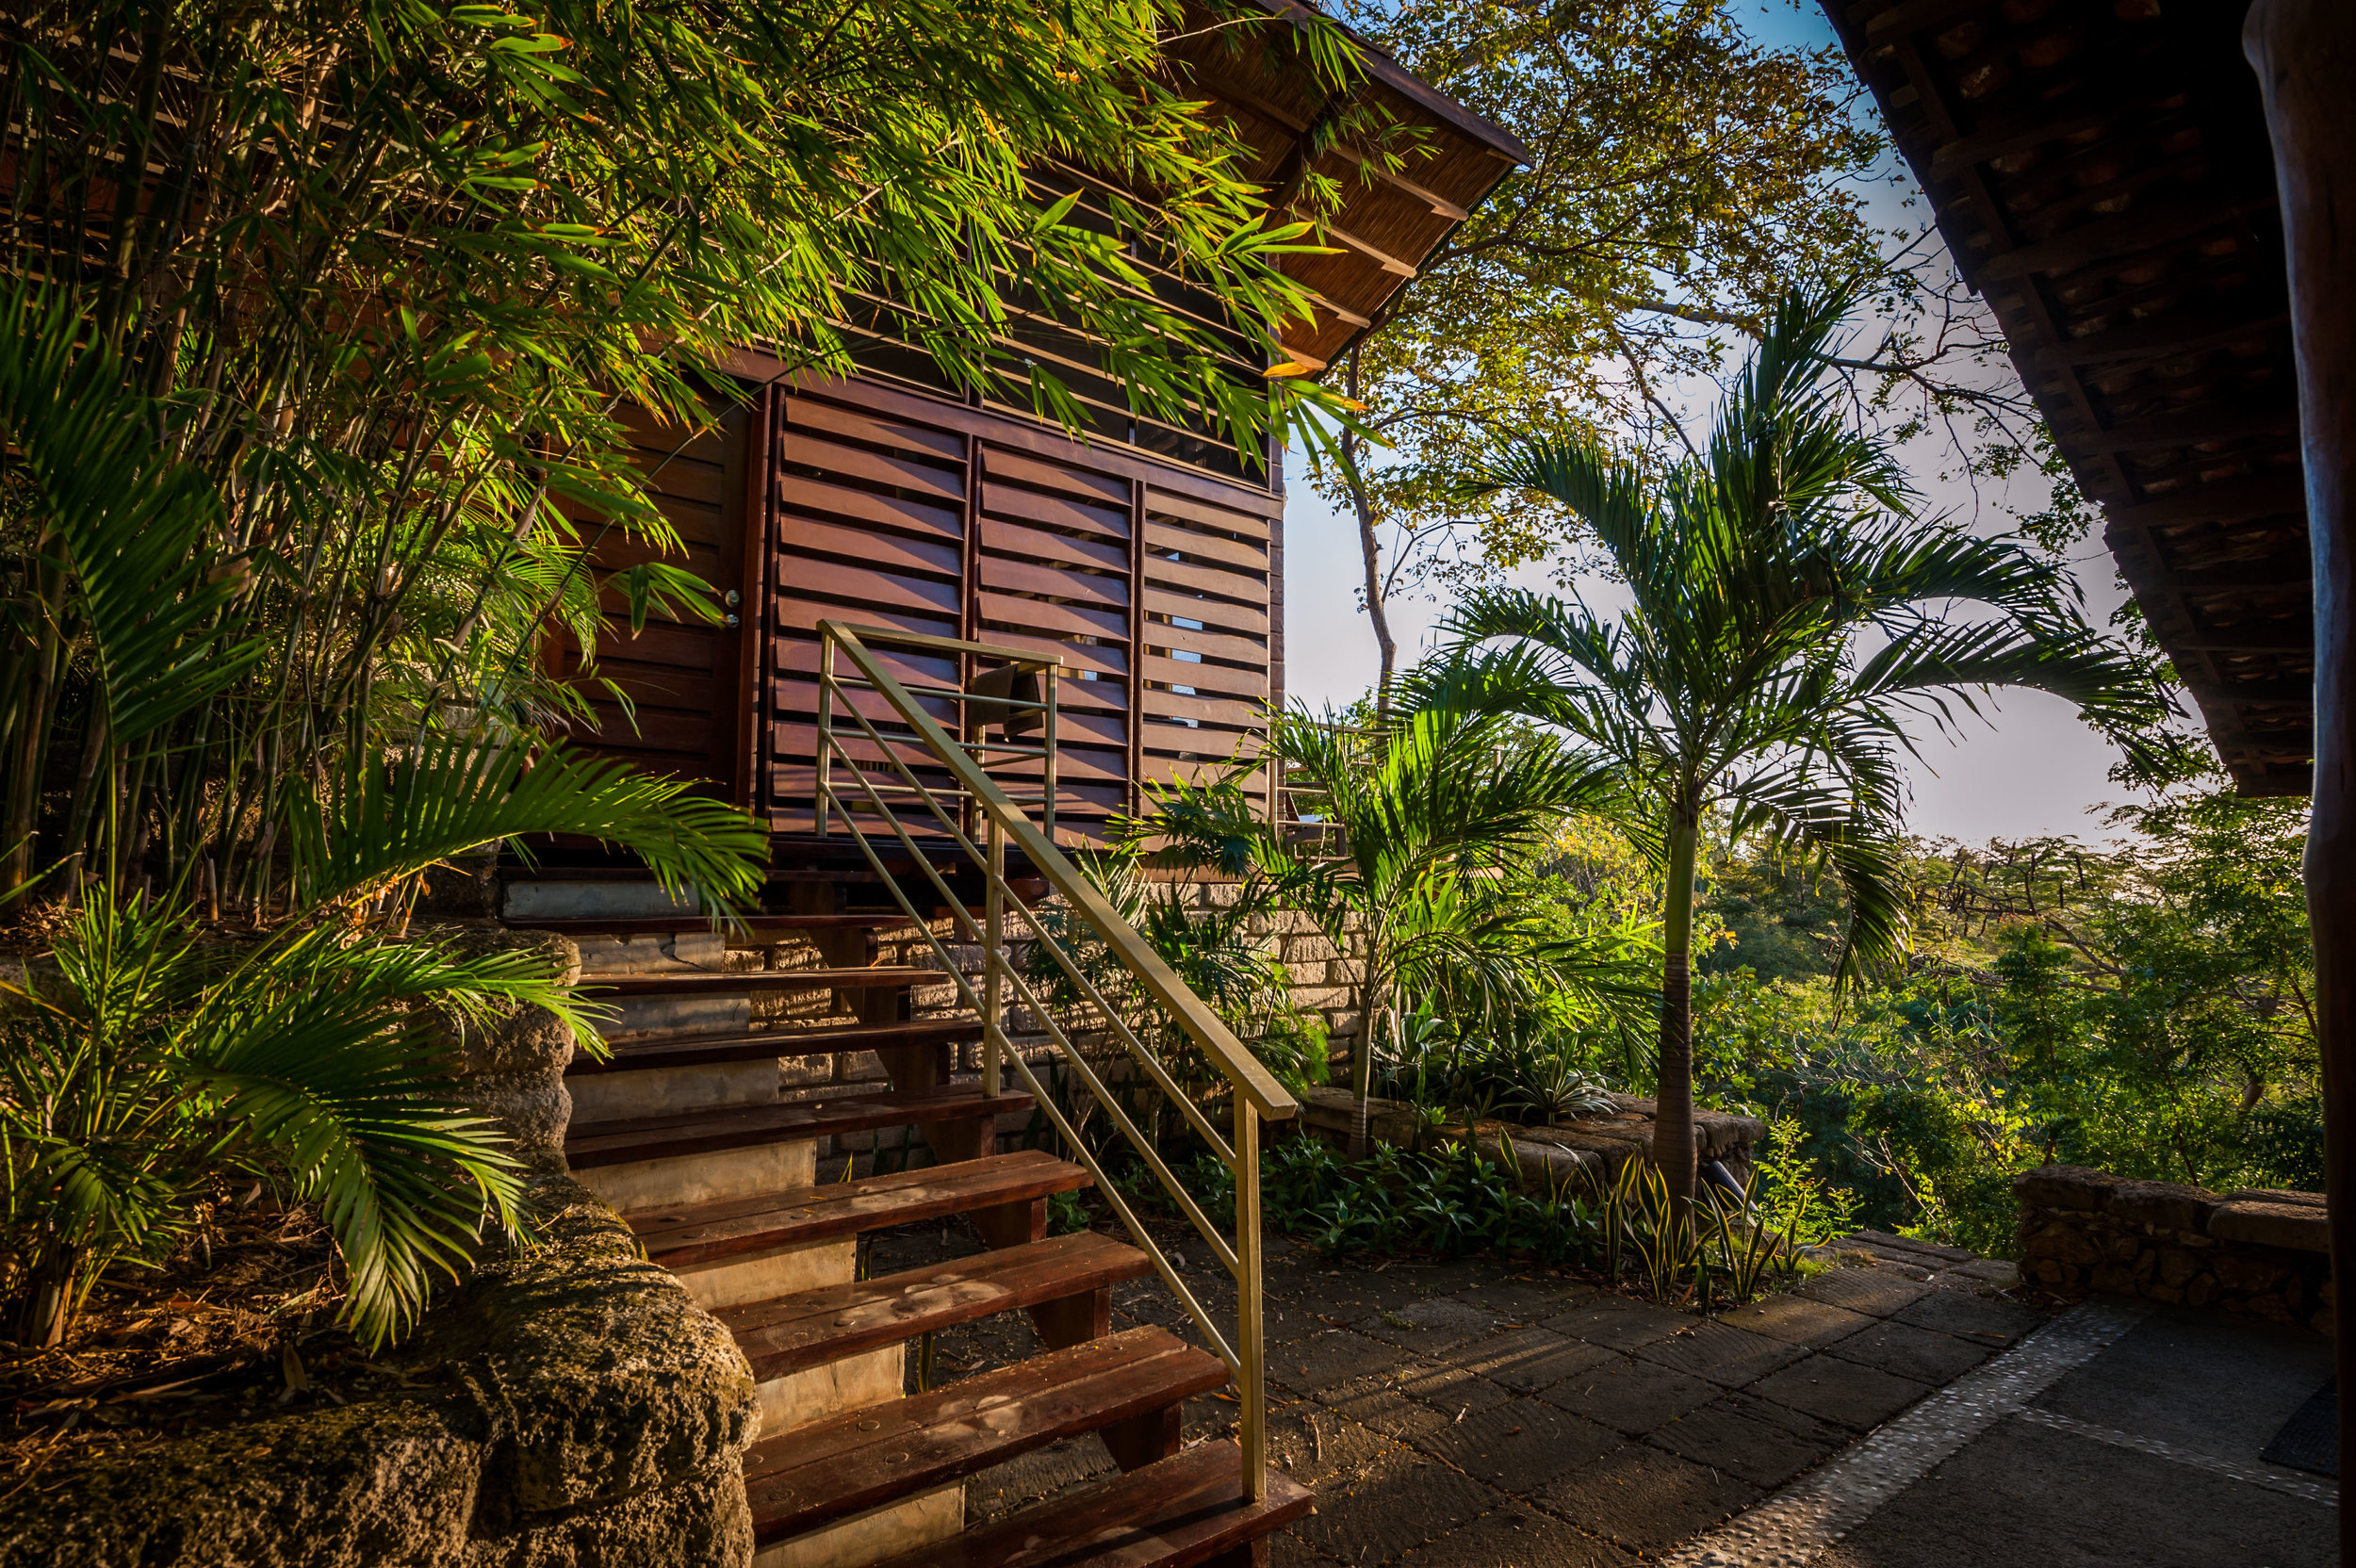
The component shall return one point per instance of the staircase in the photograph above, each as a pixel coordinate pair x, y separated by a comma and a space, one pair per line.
732, 1094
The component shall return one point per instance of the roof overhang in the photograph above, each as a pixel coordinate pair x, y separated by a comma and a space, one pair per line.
2101, 172
1388, 222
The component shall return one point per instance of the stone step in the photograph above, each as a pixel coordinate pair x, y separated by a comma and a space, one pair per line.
1067, 1280
1186, 1510
811, 1476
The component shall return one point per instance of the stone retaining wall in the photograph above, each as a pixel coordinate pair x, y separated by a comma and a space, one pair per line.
2262, 1252
572, 1408
1587, 1151
586, 1412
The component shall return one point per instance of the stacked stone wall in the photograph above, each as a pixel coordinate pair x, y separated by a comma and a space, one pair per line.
2260, 1253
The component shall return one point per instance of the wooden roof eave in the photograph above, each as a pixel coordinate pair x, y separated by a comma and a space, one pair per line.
2101, 172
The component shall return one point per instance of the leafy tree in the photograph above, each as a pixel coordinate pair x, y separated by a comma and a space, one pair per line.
1414, 863
1683, 174
396, 268
1743, 676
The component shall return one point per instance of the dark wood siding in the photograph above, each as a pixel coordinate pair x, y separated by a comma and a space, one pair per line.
1150, 582
686, 714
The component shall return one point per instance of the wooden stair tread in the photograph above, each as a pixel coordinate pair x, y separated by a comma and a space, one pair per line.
810, 1328
1172, 1513
671, 925
706, 1050
812, 1475
705, 1232
698, 982
620, 1142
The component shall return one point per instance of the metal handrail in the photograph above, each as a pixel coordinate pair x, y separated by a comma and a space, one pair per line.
1255, 1095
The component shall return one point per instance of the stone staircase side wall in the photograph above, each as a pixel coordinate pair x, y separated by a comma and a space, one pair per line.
2259, 1253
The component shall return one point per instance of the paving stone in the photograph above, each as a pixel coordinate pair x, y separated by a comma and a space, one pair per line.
1874, 1292
2000, 1272
1617, 1323
1431, 1326
1644, 1498
1911, 1353
1978, 1317
1761, 1444
1280, 1324
1287, 1550
1830, 1389
1515, 1537
1449, 1389
1323, 1360
1727, 1356
1529, 1360
1361, 1522
1320, 1448
1529, 1300
1799, 1320
1634, 1398
1376, 1402
1356, 1295
1908, 1248
1520, 1446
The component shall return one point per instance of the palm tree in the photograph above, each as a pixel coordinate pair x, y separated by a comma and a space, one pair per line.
1789, 612
144, 1060
1420, 824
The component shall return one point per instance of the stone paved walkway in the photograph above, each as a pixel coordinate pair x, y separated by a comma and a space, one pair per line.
1473, 1416
1468, 1415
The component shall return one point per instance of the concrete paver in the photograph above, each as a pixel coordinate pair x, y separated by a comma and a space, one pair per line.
1469, 1416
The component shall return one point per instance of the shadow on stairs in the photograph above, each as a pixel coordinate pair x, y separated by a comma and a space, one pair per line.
728, 1089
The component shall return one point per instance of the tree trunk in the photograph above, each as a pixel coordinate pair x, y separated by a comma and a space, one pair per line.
1361, 1080
1370, 547
2304, 53
1673, 1113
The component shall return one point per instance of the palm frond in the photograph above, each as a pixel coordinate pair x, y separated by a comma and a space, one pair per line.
454, 793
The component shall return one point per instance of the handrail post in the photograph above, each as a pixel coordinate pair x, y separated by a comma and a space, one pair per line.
994, 962
1248, 1342
1047, 741
826, 723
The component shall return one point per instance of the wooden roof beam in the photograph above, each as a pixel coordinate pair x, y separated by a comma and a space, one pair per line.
2282, 494
1367, 249
2185, 427
2265, 639
2120, 235
2292, 691
2284, 572
2156, 338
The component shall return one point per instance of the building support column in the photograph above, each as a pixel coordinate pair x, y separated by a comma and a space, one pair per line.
2304, 53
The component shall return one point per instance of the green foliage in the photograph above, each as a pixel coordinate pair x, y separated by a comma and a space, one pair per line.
1450, 1202
1525, 1067
1424, 844
1740, 679
381, 360
150, 1063
1681, 175
1205, 935
2145, 1010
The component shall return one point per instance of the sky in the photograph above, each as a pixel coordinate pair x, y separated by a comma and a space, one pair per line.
2029, 769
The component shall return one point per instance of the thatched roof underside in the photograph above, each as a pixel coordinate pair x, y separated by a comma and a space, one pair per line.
2100, 171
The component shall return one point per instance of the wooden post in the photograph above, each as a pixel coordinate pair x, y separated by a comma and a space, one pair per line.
994, 955
1251, 1347
2304, 53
